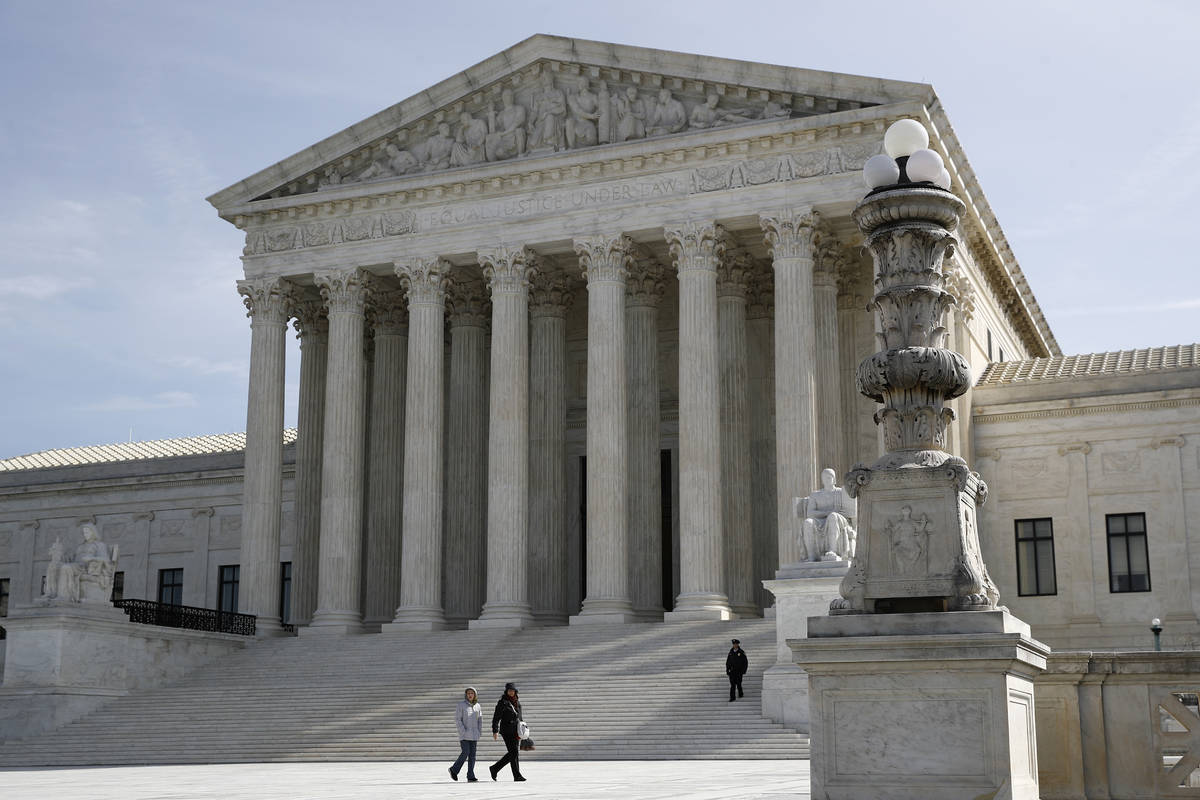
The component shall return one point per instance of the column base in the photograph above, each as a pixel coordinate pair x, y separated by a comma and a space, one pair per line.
605, 611
333, 623
268, 627
504, 615
700, 606
745, 610
648, 614
416, 618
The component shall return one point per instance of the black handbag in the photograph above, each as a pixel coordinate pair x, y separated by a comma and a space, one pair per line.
527, 744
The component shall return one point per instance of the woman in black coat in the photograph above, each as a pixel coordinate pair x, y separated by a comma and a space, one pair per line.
504, 722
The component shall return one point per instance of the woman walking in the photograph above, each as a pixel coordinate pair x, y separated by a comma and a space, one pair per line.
468, 716
504, 722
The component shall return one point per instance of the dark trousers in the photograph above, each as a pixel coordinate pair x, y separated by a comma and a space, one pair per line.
467, 755
513, 756
735, 684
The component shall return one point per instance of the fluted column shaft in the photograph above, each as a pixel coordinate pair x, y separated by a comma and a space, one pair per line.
644, 290
507, 272
827, 383
550, 297
790, 239
760, 378
735, 437
266, 303
466, 443
697, 250
339, 584
385, 475
312, 327
605, 261
420, 606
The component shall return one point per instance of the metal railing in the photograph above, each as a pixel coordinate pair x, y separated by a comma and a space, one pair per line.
148, 612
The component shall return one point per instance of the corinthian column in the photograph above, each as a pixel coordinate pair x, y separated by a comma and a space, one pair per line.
312, 328
604, 260
266, 302
790, 238
735, 435
507, 272
644, 290
466, 448
827, 384
697, 250
550, 297
421, 544
339, 584
760, 380
385, 481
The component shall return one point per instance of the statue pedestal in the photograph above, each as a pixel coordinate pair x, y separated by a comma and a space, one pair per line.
65, 660
933, 706
801, 590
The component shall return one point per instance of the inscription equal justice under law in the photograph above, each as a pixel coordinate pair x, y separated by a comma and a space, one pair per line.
536, 203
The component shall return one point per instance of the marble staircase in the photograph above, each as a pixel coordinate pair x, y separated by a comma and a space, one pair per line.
643, 691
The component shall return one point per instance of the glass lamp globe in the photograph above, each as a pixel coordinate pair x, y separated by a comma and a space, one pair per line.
924, 165
943, 180
904, 137
1155, 623
880, 170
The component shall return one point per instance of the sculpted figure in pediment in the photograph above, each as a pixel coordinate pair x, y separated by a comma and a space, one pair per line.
669, 115
775, 110
506, 130
630, 111
437, 148
546, 131
468, 145
706, 115
331, 177
585, 111
605, 123
395, 162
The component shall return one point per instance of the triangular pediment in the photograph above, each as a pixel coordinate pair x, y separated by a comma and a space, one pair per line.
551, 94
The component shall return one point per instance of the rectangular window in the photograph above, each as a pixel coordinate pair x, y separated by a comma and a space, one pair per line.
989, 343
1128, 553
227, 594
170, 586
3, 602
285, 592
118, 590
1035, 557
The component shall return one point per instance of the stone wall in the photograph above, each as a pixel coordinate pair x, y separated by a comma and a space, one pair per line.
1076, 450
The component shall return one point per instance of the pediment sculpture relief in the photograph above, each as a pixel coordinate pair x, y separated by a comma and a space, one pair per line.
558, 111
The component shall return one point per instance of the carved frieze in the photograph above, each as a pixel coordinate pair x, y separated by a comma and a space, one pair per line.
334, 231
552, 107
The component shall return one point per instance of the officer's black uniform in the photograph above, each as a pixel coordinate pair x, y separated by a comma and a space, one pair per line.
736, 665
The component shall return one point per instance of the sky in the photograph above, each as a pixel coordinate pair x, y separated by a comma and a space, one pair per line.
118, 312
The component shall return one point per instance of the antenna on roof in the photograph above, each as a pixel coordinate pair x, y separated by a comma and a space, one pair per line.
131, 433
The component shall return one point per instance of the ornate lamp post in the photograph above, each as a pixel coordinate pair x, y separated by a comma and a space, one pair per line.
1156, 628
918, 545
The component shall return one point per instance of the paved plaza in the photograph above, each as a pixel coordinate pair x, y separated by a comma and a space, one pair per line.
569, 780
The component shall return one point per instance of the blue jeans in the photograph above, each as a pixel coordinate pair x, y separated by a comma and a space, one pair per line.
468, 755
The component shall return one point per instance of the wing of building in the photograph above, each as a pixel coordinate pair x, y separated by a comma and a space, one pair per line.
577, 325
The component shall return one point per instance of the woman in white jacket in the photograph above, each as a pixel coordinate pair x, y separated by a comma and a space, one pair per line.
468, 716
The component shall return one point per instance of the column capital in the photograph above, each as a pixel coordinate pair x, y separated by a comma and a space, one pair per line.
696, 245
760, 293
266, 299
344, 291
206, 511
959, 285
148, 516
467, 304
424, 280
829, 257
550, 295
791, 233
604, 257
311, 316
387, 312
508, 269
646, 283
733, 273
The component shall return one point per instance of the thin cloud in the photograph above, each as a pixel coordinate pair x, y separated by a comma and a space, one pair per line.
123, 402
40, 287
204, 366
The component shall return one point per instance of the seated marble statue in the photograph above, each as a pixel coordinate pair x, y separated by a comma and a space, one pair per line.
829, 514
88, 578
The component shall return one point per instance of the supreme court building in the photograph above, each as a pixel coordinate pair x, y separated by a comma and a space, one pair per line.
576, 325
